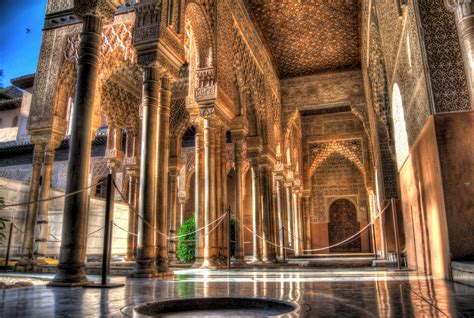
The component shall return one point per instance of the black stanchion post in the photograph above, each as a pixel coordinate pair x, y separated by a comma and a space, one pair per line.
395, 232
7, 256
229, 238
106, 249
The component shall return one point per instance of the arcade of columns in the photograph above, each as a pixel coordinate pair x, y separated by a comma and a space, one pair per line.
154, 73
102, 73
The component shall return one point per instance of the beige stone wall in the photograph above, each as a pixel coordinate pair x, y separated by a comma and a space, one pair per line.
16, 192
7, 132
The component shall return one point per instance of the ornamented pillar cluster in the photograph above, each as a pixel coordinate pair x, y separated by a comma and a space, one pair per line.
158, 71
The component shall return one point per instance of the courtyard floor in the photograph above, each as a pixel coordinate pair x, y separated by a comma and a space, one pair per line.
358, 292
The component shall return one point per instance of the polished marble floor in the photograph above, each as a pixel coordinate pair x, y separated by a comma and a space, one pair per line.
316, 293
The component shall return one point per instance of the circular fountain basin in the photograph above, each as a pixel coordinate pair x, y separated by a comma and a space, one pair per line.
215, 307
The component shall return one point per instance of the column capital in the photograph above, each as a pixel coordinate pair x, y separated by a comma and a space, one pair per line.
462, 8
104, 9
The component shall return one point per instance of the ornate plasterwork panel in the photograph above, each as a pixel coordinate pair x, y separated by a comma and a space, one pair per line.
337, 177
322, 89
445, 61
59, 5
308, 37
47, 75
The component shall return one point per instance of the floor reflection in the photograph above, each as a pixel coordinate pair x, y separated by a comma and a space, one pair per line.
318, 293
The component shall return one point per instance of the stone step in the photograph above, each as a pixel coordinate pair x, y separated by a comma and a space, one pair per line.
463, 272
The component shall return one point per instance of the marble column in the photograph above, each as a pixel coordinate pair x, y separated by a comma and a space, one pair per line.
132, 216
289, 199
265, 210
307, 213
42, 220
224, 230
199, 195
281, 228
26, 261
239, 212
71, 268
216, 234
162, 155
256, 212
182, 207
146, 243
296, 225
209, 193
132, 173
173, 201
464, 12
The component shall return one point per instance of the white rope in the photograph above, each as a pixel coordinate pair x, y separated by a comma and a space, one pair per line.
321, 248
158, 231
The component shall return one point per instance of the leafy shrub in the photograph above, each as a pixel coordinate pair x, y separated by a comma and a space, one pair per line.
187, 243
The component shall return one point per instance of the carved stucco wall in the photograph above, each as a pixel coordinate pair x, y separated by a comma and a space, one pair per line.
337, 178
336, 161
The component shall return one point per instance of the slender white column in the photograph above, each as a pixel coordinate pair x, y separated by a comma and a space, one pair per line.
296, 223
209, 200
256, 213
289, 198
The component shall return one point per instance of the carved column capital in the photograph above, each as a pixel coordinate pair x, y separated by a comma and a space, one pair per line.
105, 9
462, 8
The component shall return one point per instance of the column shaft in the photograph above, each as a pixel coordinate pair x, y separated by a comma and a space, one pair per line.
239, 212
71, 268
42, 221
28, 238
296, 225
224, 230
265, 213
199, 208
209, 191
289, 198
162, 155
132, 217
146, 244
256, 214
173, 200
281, 229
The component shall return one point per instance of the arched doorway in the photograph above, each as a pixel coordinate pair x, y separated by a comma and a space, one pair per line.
342, 225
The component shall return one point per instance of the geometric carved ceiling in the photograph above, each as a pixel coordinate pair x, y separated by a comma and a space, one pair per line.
312, 36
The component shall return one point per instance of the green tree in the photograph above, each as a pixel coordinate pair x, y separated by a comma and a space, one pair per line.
186, 241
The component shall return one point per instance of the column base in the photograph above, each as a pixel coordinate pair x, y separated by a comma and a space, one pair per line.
70, 275
26, 265
197, 263
256, 260
144, 269
209, 264
162, 265
239, 262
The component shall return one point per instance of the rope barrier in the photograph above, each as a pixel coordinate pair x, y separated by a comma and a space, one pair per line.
158, 231
121, 228
53, 198
321, 248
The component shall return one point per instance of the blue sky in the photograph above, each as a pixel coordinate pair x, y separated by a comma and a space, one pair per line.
19, 48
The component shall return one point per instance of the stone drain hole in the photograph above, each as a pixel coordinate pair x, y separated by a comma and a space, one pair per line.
215, 307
